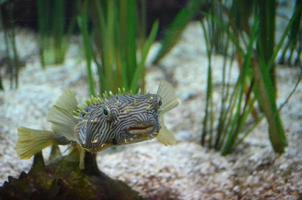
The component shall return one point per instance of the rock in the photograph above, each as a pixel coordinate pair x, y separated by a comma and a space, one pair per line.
64, 180
236, 189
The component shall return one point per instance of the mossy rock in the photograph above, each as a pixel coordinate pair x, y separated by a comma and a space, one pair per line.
62, 179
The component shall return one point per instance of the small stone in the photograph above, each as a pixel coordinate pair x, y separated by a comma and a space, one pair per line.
236, 189
217, 196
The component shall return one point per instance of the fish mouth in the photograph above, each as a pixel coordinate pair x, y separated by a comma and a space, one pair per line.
141, 129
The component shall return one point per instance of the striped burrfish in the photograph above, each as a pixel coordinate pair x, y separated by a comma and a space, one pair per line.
103, 121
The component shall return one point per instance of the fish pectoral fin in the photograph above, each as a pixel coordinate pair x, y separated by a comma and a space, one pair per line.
166, 137
170, 105
32, 141
168, 96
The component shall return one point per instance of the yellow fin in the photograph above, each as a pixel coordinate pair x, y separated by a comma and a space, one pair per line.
165, 136
63, 122
67, 101
61, 115
168, 96
32, 141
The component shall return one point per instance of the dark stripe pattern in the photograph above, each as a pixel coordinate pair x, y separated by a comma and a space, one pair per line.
119, 120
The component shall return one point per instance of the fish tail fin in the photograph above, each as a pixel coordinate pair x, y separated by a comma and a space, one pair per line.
32, 141
168, 96
165, 136
61, 115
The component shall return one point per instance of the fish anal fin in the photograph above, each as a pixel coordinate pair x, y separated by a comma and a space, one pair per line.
166, 137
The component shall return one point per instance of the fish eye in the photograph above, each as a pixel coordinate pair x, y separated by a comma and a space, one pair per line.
159, 102
105, 111
108, 113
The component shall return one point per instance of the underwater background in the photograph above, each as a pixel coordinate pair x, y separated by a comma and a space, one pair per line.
235, 66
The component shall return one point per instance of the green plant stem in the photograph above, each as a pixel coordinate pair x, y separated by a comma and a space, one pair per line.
82, 21
177, 26
266, 41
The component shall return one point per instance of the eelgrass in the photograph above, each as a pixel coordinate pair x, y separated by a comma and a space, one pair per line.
7, 25
120, 60
176, 28
294, 42
253, 97
221, 130
52, 38
83, 25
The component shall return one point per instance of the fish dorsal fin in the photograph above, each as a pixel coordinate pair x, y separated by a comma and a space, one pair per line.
61, 115
168, 96
67, 101
165, 136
